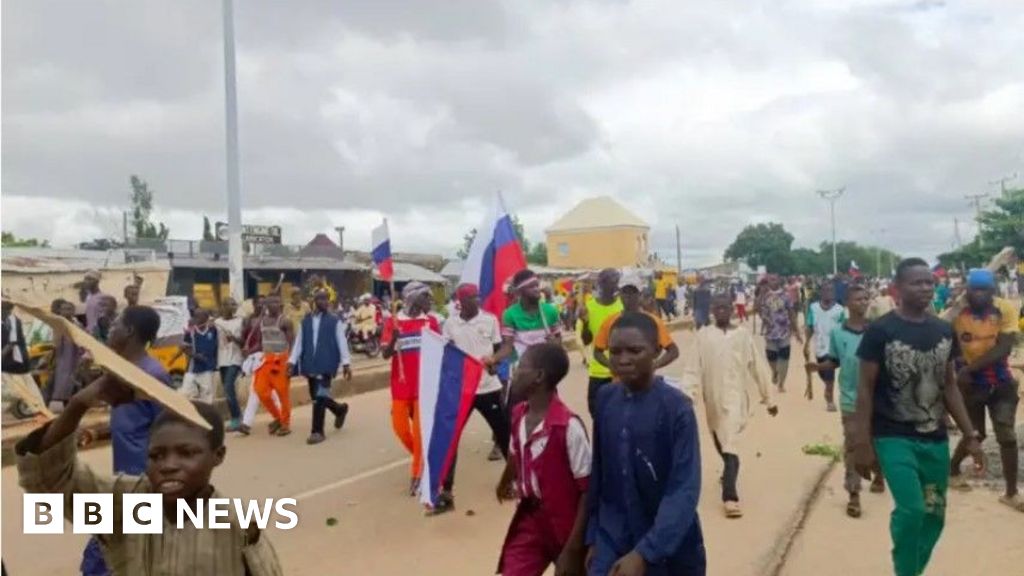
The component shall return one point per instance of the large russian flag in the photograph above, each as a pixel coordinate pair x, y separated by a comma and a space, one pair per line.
494, 258
381, 252
448, 381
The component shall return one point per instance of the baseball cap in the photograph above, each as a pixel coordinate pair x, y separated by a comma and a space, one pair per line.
631, 279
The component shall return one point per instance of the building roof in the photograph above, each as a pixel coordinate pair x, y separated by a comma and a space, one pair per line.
42, 260
270, 263
406, 272
322, 247
597, 213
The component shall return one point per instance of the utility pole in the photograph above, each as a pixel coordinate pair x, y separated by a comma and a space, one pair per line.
975, 199
341, 237
1002, 183
124, 226
831, 196
236, 274
679, 252
956, 233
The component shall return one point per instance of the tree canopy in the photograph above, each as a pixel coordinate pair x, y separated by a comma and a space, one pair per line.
1000, 226
770, 245
142, 209
10, 241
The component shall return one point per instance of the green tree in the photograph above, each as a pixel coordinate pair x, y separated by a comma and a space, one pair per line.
142, 209
538, 254
807, 262
999, 227
765, 245
467, 239
870, 259
10, 241
207, 229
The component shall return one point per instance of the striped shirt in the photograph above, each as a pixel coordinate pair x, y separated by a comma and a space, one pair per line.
529, 329
230, 552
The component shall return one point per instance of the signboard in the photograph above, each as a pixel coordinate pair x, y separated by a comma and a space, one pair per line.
252, 233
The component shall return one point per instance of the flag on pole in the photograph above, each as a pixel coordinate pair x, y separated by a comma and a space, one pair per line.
382, 252
494, 258
854, 269
448, 381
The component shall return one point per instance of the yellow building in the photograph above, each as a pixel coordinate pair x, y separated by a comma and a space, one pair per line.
598, 233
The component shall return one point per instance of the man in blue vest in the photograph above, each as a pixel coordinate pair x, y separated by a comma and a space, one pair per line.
320, 348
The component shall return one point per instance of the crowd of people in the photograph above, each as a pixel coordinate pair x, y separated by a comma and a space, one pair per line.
908, 356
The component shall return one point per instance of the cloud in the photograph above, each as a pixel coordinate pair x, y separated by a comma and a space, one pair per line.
705, 115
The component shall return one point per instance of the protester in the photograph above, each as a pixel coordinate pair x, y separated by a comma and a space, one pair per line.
907, 385
131, 295
15, 349
366, 318
882, 304
402, 346
252, 352
592, 316
941, 298
702, 305
823, 316
740, 300
320, 349
477, 333
130, 337
778, 316
106, 312
843, 344
661, 288
529, 321
643, 493
200, 345
549, 467
728, 360
297, 308
179, 463
274, 336
66, 356
91, 291
630, 296
986, 331
229, 358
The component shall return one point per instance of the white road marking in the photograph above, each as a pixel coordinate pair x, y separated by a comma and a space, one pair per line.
353, 479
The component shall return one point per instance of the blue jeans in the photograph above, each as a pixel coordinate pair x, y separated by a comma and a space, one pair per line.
228, 376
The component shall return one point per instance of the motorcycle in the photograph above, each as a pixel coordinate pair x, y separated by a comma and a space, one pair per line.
369, 345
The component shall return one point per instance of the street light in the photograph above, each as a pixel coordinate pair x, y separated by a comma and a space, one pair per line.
236, 278
831, 196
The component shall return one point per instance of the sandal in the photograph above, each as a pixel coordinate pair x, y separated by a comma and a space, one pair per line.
853, 507
878, 485
959, 483
733, 510
1014, 502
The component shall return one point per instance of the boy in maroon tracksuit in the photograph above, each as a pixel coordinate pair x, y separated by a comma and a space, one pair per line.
549, 461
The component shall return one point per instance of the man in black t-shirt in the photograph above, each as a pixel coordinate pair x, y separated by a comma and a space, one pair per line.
907, 384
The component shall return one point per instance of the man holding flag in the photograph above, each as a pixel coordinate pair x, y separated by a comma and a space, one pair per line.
402, 337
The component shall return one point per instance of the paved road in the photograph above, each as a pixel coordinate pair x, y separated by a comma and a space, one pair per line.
359, 477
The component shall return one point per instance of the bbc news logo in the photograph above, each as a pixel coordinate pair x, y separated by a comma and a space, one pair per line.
144, 513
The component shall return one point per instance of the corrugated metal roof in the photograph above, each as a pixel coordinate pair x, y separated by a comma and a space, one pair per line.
595, 213
41, 260
406, 272
271, 263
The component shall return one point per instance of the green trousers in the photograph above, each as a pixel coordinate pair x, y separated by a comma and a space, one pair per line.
917, 472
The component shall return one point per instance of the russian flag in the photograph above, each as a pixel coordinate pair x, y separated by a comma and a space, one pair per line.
448, 381
854, 269
494, 258
382, 252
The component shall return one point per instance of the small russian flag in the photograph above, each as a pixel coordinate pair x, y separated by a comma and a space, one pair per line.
494, 257
381, 252
448, 381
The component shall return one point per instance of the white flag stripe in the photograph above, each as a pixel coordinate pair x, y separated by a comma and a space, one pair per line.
431, 354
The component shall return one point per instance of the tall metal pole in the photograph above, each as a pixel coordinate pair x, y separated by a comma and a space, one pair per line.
975, 200
236, 275
679, 252
832, 196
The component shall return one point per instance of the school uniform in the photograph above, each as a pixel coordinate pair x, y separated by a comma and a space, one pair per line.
553, 466
646, 482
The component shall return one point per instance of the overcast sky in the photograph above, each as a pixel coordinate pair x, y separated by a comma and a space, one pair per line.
707, 114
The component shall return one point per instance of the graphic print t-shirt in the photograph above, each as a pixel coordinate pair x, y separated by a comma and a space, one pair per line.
912, 359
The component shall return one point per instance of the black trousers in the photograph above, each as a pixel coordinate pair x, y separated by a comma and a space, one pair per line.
320, 395
730, 475
490, 407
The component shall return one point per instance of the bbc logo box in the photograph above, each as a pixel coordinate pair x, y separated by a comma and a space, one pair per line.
92, 514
